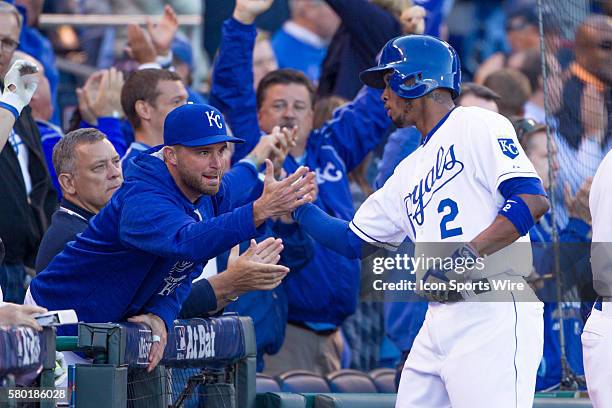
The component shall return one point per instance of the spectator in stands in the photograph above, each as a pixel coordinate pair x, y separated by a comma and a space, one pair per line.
34, 43
264, 60
267, 308
366, 26
585, 116
513, 89
175, 211
574, 260
147, 97
182, 61
531, 67
28, 197
42, 110
100, 106
325, 292
522, 33
89, 172
473, 94
302, 41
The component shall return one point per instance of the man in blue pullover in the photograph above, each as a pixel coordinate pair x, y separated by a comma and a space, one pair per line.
326, 290
138, 256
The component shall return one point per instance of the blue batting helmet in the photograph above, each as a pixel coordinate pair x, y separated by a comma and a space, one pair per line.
419, 64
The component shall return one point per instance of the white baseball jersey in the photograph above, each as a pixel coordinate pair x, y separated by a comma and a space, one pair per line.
600, 201
447, 190
597, 334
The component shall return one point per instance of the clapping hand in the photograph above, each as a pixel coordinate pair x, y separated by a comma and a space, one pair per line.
162, 33
247, 10
101, 95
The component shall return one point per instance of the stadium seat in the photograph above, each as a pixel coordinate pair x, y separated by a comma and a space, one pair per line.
351, 381
265, 383
354, 401
302, 381
280, 400
384, 378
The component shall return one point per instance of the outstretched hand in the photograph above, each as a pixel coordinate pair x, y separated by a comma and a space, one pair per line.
282, 197
256, 268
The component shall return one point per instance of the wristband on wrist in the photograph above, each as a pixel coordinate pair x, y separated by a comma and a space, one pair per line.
517, 212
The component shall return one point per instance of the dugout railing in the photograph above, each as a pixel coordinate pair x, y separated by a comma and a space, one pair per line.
26, 356
207, 362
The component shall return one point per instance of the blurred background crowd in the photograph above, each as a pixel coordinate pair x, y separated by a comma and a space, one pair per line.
121, 66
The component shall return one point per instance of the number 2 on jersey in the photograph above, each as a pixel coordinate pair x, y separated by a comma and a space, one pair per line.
452, 206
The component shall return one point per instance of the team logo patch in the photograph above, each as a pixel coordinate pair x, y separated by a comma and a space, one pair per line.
508, 147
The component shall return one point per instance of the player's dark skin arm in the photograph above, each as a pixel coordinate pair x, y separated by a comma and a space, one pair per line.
502, 232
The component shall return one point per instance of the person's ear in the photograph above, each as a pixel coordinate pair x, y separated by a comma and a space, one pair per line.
67, 183
170, 155
143, 110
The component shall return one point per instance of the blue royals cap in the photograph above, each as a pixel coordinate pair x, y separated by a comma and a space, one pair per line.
196, 125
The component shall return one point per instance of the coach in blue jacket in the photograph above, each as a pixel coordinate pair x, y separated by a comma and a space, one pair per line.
174, 211
326, 290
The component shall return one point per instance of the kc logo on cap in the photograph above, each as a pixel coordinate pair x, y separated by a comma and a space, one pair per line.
214, 117
196, 125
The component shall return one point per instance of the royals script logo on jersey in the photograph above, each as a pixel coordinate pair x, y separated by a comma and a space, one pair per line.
445, 168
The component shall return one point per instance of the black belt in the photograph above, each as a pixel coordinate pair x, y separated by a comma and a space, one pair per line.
318, 332
482, 286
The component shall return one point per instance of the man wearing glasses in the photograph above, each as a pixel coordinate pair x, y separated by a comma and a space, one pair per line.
26, 191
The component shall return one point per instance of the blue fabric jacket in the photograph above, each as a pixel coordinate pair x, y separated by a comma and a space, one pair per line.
49, 136
292, 52
326, 289
140, 253
114, 131
269, 308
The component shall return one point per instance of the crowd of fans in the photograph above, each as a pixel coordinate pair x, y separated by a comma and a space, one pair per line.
294, 97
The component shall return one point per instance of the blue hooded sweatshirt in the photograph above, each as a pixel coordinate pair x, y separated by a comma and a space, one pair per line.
327, 288
141, 252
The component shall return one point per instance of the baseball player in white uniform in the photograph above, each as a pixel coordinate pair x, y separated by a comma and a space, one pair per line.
597, 333
470, 185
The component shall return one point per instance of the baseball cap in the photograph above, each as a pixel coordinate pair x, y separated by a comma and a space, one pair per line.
182, 51
196, 125
525, 126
